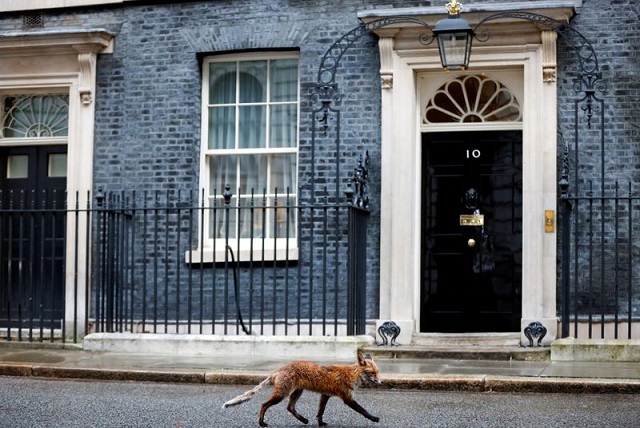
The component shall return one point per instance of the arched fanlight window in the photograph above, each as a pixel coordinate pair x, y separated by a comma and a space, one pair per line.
472, 99
35, 116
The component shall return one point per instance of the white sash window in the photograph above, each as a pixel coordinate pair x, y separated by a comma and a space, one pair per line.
250, 142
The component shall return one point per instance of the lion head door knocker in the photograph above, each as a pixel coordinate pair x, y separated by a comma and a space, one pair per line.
470, 199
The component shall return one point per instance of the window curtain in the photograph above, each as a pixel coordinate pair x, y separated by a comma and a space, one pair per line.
259, 99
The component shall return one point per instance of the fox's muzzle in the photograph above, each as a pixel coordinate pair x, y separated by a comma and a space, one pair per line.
373, 380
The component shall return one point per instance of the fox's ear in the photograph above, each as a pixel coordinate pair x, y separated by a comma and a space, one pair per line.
362, 357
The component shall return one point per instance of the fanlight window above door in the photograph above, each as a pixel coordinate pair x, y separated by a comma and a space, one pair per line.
472, 99
35, 116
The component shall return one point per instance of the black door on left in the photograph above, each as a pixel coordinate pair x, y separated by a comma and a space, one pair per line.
32, 236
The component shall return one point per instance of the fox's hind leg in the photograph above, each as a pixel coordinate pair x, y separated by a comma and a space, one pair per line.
323, 404
293, 399
276, 397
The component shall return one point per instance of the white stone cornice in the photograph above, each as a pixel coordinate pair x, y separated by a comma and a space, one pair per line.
86, 44
55, 42
25, 5
502, 30
562, 10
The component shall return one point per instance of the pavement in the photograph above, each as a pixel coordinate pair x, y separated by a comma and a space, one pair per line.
423, 369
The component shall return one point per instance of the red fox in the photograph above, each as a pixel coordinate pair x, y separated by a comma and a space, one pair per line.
291, 379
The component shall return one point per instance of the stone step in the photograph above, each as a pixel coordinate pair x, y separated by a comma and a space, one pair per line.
462, 346
494, 353
466, 339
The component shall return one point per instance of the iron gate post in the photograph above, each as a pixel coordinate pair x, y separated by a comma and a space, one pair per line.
565, 207
358, 199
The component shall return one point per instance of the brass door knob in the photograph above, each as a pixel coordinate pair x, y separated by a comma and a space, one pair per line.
471, 243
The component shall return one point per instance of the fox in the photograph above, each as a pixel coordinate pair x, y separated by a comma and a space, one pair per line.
333, 380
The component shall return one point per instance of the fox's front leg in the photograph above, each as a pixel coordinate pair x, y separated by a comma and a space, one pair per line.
358, 408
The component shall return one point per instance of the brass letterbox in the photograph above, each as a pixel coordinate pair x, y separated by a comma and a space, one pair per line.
471, 219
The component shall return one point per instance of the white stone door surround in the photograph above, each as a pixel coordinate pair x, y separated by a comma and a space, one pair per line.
63, 61
516, 48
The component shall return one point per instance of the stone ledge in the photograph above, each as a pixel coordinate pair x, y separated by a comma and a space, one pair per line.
511, 384
570, 349
271, 347
116, 374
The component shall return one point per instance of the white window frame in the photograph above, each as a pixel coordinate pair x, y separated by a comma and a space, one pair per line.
212, 249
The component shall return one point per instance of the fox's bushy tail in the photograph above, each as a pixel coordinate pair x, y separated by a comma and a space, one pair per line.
247, 395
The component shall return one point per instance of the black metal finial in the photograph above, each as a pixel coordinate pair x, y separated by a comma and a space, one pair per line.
99, 196
349, 192
227, 194
358, 187
563, 183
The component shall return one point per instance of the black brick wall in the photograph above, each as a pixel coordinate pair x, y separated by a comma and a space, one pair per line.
147, 134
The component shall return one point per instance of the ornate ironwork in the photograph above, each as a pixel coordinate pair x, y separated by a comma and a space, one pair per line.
325, 92
331, 58
563, 183
358, 187
537, 331
389, 329
326, 96
589, 80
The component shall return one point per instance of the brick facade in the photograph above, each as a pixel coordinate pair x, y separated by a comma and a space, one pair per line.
148, 97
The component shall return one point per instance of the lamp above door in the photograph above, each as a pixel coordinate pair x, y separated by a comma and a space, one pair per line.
454, 36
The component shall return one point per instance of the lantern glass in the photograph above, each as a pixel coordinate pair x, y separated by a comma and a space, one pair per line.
455, 49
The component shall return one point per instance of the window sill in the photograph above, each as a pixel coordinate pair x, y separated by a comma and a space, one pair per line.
207, 255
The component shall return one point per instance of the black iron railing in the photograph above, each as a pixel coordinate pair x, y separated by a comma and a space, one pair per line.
165, 262
167, 276
600, 275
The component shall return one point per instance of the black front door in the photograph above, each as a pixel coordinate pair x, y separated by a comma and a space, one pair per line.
472, 232
32, 229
